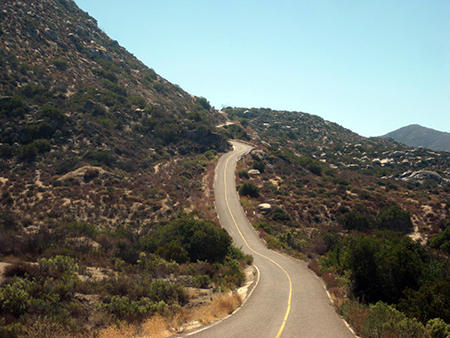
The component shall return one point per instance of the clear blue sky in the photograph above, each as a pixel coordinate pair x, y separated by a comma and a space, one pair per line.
370, 66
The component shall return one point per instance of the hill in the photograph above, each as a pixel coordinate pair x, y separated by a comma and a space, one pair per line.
98, 153
107, 169
416, 136
77, 109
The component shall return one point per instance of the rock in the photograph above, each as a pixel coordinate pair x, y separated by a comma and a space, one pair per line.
88, 106
398, 154
254, 172
422, 175
4, 100
51, 33
8, 131
81, 31
264, 207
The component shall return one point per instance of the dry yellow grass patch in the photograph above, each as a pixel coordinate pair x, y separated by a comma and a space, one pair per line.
218, 308
183, 320
155, 327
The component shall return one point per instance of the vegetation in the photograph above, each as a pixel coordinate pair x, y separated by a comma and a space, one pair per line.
100, 157
346, 204
55, 288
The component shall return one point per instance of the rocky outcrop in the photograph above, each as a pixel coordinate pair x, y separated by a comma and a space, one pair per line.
254, 172
422, 175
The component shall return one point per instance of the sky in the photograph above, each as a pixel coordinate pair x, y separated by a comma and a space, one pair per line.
370, 66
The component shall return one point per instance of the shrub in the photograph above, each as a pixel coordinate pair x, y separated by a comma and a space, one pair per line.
203, 240
52, 112
383, 320
202, 281
249, 189
173, 252
395, 219
61, 264
441, 240
279, 214
437, 328
15, 298
243, 174
105, 74
353, 220
259, 165
60, 64
124, 308
204, 103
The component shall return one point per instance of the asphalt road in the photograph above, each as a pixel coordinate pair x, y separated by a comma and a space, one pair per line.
289, 300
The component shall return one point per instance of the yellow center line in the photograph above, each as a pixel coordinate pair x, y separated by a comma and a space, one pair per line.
246, 243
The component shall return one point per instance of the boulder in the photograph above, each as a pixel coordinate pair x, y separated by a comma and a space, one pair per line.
422, 175
264, 207
51, 33
254, 172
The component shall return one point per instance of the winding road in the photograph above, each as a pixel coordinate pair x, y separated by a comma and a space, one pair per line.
289, 300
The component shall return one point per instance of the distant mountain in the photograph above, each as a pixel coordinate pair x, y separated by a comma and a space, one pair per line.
415, 135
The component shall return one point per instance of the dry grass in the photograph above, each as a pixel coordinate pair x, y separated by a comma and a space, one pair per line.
314, 265
220, 307
182, 320
155, 327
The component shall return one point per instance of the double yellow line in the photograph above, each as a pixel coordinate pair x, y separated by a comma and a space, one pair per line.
246, 243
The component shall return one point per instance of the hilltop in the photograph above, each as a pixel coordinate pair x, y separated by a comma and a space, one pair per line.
416, 136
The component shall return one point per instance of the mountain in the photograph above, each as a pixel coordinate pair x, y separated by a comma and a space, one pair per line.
416, 136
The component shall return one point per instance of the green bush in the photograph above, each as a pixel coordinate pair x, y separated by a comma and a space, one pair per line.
173, 252
15, 298
395, 219
105, 74
279, 214
353, 220
202, 281
203, 240
60, 64
124, 308
437, 328
204, 103
243, 174
62, 264
382, 267
249, 189
384, 320
442, 240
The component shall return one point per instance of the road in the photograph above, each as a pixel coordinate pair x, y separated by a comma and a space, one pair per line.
289, 300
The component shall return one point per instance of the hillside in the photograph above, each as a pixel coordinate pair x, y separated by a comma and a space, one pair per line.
315, 171
106, 176
418, 136
372, 216
98, 155
77, 109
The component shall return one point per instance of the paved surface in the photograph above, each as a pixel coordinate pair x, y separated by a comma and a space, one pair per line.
289, 300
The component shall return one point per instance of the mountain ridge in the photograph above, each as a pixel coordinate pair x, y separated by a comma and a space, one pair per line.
415, 135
